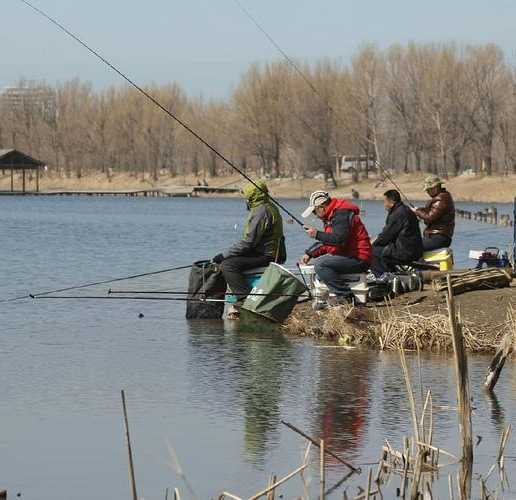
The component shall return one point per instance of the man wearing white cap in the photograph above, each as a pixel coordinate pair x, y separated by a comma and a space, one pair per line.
343, 247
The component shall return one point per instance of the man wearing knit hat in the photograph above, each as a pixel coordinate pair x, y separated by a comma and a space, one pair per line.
438, 215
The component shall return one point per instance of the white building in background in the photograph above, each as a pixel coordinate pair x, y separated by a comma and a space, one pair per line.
354, 164
30, 97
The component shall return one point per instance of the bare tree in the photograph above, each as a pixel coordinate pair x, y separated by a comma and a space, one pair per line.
435, 107
261, 100
368, 77
487, 72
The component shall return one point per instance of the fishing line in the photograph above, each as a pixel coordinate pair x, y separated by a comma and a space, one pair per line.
157, 104
314, 89
104, 282
277, 46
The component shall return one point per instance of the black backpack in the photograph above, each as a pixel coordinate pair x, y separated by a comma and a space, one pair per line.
206, 282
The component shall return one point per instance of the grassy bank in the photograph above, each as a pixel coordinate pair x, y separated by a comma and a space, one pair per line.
463, 188
417, 320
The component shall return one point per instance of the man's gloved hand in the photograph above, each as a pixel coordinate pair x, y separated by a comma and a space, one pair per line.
218, 258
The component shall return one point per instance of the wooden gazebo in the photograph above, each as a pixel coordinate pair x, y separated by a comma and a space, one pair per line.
14, 160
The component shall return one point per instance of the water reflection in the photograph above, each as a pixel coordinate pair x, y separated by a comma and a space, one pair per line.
497, 411
343, 395
215, 387
243, 366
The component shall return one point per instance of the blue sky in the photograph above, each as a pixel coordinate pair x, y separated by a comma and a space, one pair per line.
205, 45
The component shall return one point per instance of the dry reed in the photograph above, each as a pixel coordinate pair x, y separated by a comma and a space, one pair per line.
390, 328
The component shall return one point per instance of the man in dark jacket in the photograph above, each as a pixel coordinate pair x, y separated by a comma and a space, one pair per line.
400, 240
262, 241
343, 247
438, 215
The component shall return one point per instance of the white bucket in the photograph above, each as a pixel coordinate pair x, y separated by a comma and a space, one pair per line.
308, 274
357, 283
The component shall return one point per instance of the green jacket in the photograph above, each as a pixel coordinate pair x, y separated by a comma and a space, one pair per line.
263, 230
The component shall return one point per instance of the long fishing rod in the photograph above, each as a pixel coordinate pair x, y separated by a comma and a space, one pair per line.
86, 285
314, 89
277, 46
152, 99
109, 297
166, 292
388, 176
139, 297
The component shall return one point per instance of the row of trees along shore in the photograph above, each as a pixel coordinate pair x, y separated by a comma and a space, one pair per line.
443, 108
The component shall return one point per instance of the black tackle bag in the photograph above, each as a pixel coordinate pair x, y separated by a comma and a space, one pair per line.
206, 282
378, 292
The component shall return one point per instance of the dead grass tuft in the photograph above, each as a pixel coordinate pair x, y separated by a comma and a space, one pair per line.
390, 328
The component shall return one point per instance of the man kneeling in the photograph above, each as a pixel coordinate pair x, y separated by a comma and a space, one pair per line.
342, 248
400, 241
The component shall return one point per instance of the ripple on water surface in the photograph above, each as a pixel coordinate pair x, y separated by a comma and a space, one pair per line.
216, 392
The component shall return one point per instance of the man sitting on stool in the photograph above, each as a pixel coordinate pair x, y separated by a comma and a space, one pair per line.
400, 240
343, 247
262, 242
438, 215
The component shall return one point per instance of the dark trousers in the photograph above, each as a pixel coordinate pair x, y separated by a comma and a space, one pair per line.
435, 241
382, 264
330, 268
233, 269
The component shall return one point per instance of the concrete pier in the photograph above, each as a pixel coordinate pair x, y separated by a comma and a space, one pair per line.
487, 215
146, 193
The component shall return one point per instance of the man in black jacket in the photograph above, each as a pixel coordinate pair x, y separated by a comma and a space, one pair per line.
400, 241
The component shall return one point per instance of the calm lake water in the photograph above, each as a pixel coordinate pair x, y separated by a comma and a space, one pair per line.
213, 392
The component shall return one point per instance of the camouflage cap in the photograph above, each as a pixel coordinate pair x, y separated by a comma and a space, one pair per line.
431, 182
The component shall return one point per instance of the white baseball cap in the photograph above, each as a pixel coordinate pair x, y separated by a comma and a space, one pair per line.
317, 198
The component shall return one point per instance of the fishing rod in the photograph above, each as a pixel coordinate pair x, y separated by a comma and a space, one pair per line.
108, 297
277, 46
160, 106
388, 176
166, 292
86, 285
314, 89
140, 297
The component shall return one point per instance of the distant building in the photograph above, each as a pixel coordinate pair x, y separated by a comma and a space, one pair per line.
33, 98
347, 164
16, 161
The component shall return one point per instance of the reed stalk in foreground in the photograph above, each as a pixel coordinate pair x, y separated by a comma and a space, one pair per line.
463, 396
129, 449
